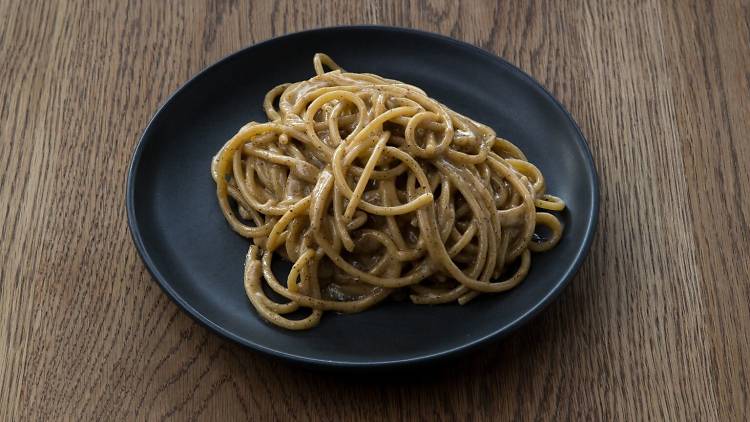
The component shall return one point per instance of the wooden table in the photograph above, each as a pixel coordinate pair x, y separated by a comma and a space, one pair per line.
655, 326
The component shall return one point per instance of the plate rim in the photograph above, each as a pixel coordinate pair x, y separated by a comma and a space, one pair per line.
495, 335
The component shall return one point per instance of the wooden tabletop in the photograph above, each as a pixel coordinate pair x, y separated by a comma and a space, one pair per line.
655, 326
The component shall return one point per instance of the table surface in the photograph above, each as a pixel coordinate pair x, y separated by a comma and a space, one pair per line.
656, 325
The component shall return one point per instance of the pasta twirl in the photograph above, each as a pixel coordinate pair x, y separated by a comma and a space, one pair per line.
370, 187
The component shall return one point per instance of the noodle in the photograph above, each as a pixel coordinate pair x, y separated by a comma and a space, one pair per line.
368, 186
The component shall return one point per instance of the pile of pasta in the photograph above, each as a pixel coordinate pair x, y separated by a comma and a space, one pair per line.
371, 189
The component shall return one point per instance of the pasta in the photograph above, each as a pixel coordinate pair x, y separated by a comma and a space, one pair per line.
373, 189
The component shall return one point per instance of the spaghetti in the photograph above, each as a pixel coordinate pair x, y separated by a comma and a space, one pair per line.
373, 189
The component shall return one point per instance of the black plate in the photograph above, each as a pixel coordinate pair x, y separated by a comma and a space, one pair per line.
185, 242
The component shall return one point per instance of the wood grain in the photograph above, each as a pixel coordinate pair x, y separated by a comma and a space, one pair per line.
656, 325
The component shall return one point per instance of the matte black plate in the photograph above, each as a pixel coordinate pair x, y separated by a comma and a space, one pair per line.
197, 259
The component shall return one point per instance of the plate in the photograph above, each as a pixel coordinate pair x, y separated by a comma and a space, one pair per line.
198, 260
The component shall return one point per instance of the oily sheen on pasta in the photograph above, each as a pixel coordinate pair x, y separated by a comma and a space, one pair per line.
373, 189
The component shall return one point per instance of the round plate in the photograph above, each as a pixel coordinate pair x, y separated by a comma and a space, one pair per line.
198, 260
